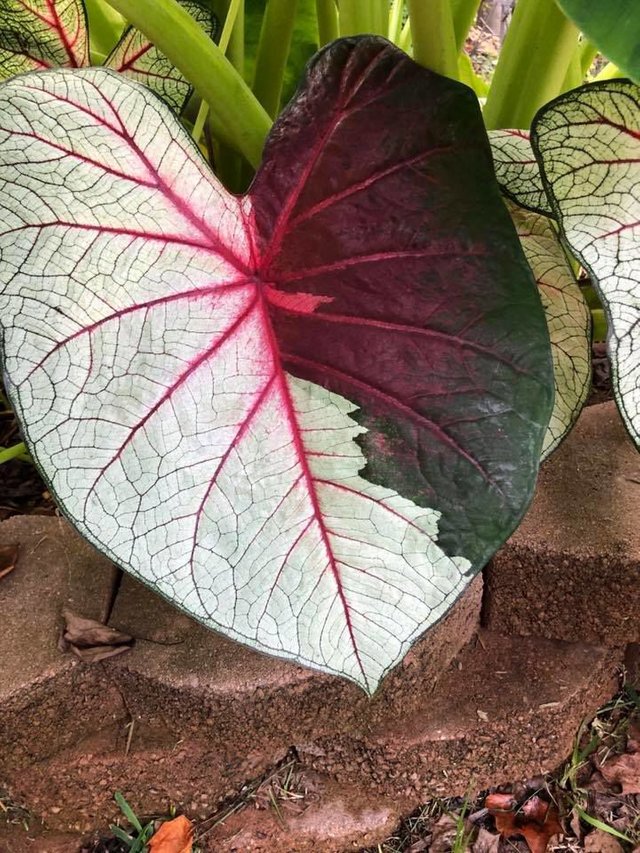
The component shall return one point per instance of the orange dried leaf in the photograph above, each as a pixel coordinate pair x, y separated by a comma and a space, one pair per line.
174, 836
8, 559
535, 820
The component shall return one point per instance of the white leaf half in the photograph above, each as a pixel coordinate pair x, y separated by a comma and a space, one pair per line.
568, 320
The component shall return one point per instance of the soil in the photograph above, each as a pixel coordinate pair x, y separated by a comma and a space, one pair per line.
589, 803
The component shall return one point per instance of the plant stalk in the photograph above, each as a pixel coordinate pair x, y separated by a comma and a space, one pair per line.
105, 28
533, 64
223, 44
327, 15
237, 116
464, 13
609, 72
432, 33
588, 53
395, 21
13, 452
404, 42
235, 49
273, 52
356, 17
380, 23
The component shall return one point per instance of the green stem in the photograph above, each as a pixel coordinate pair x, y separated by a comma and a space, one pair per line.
588, 53
395, 20
573, 77
609, 72
229, 24
464, 14
356, 17
201, 120
8, 453
105, 28
434, 43
272, 53
379, 21
236, 114
404, 42
327, 15
235, 50
223, 44
533, 64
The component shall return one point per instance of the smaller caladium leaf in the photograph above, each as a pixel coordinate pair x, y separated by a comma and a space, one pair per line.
517, 169
137, 58
588, 144
40, 34
568, 320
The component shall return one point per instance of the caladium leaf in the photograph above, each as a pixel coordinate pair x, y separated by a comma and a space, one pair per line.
517, 169
305, 416
40, 34
568, 320
135, 56
588, 144
614, 27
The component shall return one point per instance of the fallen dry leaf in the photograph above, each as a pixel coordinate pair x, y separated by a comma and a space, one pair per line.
8, 559
443, 832
92, 641
486, 842
534, 819
174, 836
623, 770
600, 841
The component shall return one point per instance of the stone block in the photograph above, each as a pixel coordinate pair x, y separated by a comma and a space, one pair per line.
572, 569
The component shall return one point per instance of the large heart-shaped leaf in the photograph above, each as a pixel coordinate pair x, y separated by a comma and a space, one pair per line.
37, 34
568, 320
305, 416
588, 144
135, 56
613, 26
517, 169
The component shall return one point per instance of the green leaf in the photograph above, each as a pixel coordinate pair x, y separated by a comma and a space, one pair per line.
36, 35
127, 811
137, 58
568, 320
588, 145
517, 169
613, 26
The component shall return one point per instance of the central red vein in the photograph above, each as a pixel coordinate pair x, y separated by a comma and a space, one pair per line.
292, 420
